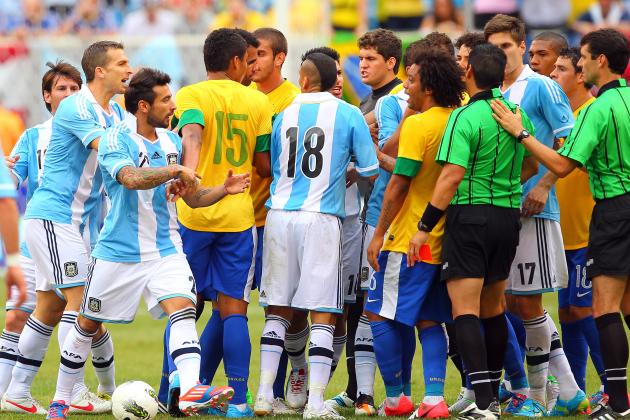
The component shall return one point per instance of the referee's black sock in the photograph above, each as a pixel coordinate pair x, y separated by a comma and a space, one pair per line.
354, 314
496, 334
627, 317
453, 352
612, 338
472, 347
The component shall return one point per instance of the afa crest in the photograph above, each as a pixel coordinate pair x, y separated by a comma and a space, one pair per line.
71, 268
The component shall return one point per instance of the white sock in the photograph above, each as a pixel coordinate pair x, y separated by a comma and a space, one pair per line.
559, 365
320, 354
432, 399
74, 353
271, 347
469, 394
8, 356
31, 351
295, 345
392, 402
184, 347
364, 359
538, 344
66, 324
103, 362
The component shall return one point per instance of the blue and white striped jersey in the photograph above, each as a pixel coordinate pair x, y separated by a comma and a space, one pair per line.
311, 144
548, 108
70, 186
141, 225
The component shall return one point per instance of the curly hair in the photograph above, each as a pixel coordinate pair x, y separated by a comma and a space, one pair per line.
440, 73
385, 42
470, 40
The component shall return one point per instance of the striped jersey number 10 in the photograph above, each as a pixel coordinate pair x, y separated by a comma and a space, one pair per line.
230, 151
312, 159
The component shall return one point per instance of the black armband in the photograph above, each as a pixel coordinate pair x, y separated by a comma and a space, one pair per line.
430, 218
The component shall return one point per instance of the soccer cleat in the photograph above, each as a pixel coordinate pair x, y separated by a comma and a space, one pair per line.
428, 411
504, 393
21, 405
472, 412
89, 403
233, 412
403, 409
515, 404
263, 407
495, 407
201, 397
325, 413
600, 397
461, 404
296, 388
552, 392
530, 408
58, 410
576, 405
281, 408
172, 402
364, 405
604, 412
340, 401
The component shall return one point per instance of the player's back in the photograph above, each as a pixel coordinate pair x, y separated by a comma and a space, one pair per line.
31, 148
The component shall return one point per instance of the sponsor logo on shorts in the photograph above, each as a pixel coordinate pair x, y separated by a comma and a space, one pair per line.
171, 158
445, 266
365, 272
71, 268
583, 294
94, 304
589, 262
372, 300
263, 294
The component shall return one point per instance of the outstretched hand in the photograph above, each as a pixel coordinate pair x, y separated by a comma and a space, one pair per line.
236, 184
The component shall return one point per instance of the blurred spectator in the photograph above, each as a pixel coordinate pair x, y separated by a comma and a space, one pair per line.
348, 15
307, 17
403, 15
32, 18
238, 15
90, 17
604, 14
11, 128
195, 17
484, 10
445, 18
151, 20
541, 15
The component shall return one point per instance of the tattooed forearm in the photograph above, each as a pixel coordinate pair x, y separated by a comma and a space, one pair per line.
204, 197
145, 178
386, 162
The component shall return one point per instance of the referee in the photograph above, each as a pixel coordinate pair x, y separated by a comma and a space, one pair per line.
480, 184
600, 141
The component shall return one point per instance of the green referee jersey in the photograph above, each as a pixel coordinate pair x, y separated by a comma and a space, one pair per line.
492, 157
600, 140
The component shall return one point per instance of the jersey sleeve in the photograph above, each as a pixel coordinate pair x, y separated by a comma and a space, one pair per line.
188, 108
583, 140
75, 117
7, 187
388, 115
21, 148
455, 144
555, 107
263, 133
362, 147
411, 148
114, 154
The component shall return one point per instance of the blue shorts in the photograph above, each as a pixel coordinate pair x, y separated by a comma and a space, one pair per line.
260, 231
408, 295
222, 262
579, 291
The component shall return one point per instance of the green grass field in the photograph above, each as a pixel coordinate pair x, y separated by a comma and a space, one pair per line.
138, 349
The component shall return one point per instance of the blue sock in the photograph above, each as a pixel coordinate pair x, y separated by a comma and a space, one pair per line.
237, 349
513, 363
408, 337
211, 342
434, 355
591, 335
576, 349
278, 385
388, 352
519, 330
166, 360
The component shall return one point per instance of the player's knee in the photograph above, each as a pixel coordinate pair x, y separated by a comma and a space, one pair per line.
299, 321
90, 326
529, 307
15, 320
372, 317
421, 325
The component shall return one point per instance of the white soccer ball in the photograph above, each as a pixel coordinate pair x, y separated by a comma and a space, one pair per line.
134, 400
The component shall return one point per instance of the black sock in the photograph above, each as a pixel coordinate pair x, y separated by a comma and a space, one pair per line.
612, 338
453, 353
472, 347
354, 313
495, 331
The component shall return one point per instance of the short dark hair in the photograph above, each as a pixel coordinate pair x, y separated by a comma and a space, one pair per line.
221, 46
558, 41
278, 40
251, 40
503, 23
326, 68
470, 40
612, 44
409, 57
55, 71
330, 52
573, 54
488, 65
440, 73
141, 87
441, 41
96, 56
385, 42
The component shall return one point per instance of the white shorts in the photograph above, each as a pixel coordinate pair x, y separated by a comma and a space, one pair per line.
28, 269
60, 253
302, 261
539, 265
352, 237
367, 272
113, 290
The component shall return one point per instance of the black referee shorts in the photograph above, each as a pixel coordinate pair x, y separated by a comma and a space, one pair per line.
609, 238
479, 242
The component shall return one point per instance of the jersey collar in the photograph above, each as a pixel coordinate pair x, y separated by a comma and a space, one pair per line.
612, 85
314, 97
85, 91
486, 94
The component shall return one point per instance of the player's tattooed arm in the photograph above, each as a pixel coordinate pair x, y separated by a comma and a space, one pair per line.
204, 196
191, 144
385, 161
146, 178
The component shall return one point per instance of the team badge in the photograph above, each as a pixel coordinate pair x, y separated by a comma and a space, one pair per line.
171, 158
94, 305
71, 269
365, 271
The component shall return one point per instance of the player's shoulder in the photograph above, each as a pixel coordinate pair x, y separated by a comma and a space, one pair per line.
118, 131
546, 87
118, 109
76, 103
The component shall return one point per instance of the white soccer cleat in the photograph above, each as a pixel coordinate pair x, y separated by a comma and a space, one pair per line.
324, 413
22, 405
460, 404
89, 403
262, 406
339, 401
296, 388
280, 408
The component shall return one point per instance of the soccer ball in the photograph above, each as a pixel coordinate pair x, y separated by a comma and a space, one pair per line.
134, 400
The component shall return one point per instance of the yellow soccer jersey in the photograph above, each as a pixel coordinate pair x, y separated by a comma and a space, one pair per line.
419, 142
576, 204
280, 98
236, 123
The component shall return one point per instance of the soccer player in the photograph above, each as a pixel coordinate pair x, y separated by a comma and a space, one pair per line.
62, 207
481, 177
579, 331
224, 125
403, 296
598, 143
139, 252
539, 265
252, 54
544, 51
312, 142
465, 44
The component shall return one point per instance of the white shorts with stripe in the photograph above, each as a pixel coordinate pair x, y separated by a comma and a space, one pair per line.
539, 265
28, 269
367, 272
302, 261
352, 241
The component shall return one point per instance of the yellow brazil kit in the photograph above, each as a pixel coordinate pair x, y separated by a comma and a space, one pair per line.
236, 123
418, 145
280, 98
576, 204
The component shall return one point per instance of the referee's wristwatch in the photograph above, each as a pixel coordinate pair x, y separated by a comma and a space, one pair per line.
522, 136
